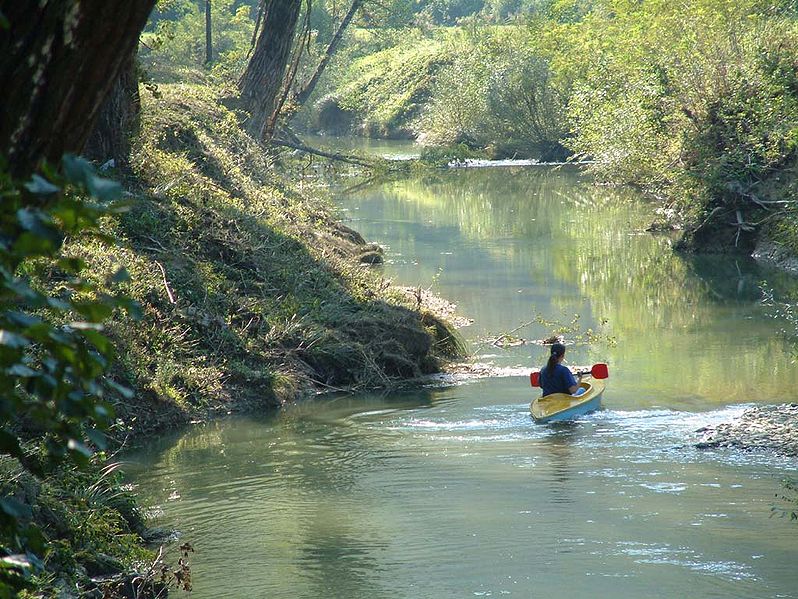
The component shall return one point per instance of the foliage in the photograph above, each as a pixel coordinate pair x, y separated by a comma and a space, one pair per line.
692, 100
459, 101
484, 87
53, 353
443, 155
175, 38
695, 102
498, 93
387, 89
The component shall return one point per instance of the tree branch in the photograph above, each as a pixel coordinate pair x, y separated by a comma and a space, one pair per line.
332, 156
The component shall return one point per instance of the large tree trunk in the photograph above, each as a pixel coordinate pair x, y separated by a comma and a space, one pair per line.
58, 60
263, 77
118, 121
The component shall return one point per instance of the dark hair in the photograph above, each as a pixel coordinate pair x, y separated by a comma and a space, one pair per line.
557, 350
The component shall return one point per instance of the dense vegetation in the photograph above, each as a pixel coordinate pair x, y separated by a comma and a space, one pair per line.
693, 102
248, 290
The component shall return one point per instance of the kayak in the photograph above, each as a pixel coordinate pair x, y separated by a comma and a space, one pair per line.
558, 407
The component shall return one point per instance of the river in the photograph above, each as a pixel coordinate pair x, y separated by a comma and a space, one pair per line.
452, 491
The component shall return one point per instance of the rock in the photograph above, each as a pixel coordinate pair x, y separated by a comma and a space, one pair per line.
775, 254
348, 233
771, 428
102, 564
372, 254
371, 258
659, 226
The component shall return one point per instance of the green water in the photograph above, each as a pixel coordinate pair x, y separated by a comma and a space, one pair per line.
453, 491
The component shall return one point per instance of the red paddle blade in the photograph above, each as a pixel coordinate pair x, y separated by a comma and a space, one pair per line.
534, 379
599, 371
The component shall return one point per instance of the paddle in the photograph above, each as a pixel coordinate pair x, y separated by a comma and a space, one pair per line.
599, 371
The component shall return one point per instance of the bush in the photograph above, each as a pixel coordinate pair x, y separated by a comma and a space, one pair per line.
694, 102
53, 353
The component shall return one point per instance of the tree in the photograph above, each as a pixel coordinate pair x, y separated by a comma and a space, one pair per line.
208, 34
118, 120
263, 79
303, 94
58, 60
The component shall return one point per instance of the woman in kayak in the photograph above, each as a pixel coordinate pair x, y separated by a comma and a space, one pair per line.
556, 378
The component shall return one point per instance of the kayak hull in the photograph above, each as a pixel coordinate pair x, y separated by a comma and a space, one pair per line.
559, 407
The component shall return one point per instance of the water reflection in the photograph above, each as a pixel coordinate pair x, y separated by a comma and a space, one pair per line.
507, 244
558, 447
455, 492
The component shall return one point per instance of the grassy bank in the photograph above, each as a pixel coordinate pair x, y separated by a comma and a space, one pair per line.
252, 294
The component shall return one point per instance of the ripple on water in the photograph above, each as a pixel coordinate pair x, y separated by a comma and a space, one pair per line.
654, 553
665, 487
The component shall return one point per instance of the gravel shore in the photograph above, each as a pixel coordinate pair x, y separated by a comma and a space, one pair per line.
769, 428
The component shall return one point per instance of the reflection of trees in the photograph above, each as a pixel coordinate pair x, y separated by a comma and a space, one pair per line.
279, 497
687, 326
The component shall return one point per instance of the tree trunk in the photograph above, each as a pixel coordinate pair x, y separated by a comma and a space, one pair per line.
262, 80
58, 59
208, 34
305, 92
118, 121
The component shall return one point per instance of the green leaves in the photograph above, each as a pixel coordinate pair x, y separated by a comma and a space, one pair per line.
80, 171
40, 186
53, 353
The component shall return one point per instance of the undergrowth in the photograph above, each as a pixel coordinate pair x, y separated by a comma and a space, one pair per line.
250, 290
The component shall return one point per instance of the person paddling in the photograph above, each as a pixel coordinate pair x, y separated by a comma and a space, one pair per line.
556, 378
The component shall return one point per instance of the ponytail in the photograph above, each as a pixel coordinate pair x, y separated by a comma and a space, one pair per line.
557, 351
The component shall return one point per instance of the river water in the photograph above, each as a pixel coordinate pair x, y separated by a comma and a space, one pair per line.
452, 491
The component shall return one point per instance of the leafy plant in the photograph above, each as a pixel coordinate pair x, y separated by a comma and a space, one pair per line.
53, 353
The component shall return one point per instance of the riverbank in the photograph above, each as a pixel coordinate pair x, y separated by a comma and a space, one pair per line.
719, 152
252, 295
763, 428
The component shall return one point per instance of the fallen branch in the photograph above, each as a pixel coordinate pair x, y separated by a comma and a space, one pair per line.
332, 156
166, 283
495, 342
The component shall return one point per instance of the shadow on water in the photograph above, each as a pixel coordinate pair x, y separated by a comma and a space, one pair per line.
739, 279
337, 562
336, 408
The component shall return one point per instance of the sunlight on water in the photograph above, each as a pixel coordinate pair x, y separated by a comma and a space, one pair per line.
453, 491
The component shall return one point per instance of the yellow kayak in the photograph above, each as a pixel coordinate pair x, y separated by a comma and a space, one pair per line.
562, 406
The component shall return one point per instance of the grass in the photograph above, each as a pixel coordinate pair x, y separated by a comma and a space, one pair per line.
249, 288
387, 89
251, 295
